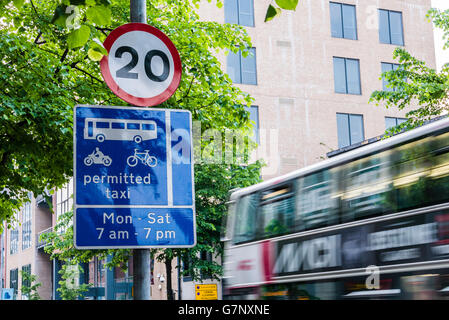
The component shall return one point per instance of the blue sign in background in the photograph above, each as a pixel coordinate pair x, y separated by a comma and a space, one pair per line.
132, 227
132, 159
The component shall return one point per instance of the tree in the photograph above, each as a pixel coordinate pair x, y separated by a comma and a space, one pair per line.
50, 52
30, 286
416, 85
69, 288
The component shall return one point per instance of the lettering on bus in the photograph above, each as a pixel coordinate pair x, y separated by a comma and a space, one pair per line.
324, 252
403, 237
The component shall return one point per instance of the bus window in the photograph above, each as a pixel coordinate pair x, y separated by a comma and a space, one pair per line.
316, 206
367, 186
276, 214
102, 125
117, 125
90, 128
438, 178
133, 126
245, 218
147, 126
412, 164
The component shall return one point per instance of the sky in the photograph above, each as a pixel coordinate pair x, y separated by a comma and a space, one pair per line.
442, 56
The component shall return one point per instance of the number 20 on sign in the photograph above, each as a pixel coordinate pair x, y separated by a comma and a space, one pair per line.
143, 66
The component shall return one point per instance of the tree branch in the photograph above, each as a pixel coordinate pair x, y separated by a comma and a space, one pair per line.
87, 73
37, 38
188, 90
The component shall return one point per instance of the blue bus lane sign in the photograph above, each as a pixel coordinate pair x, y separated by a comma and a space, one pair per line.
133, 178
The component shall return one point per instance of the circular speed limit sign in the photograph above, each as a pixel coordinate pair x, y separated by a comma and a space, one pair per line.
143, 67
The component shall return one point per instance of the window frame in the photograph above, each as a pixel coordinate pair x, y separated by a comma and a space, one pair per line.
256, 120
396, 121
14, 235
239, 73
14, 280
346, 76
349, 128
388, 27
27, 218
342, 20
237, 19
64, 200
392, 66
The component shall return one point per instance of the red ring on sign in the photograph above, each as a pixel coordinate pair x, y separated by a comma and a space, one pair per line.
106, 73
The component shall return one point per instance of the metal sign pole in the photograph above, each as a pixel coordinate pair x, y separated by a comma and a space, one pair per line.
141, 257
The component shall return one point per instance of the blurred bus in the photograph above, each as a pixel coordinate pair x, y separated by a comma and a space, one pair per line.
321, 232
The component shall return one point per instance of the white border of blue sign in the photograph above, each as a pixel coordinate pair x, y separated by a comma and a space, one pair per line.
168, 137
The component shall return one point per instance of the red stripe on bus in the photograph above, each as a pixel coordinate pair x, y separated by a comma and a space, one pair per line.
266, 260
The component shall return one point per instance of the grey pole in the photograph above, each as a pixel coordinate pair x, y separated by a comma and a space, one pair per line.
142, 274
141, 257
138, 12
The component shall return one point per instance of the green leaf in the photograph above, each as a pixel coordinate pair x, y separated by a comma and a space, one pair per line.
60, 16
94, 54
272, 12
99, 46
287, 4
18, 3
78, 38
100, 15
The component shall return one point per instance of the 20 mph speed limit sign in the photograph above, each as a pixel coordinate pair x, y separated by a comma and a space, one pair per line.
143, 66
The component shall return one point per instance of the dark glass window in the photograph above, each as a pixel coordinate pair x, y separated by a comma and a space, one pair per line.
245, 224
133, 126
147, 126
343, 21
276, 214
391, 27
347, 76
26, 269
239, 12
367, 185
315, 205
118, 125
103, 125
14, 280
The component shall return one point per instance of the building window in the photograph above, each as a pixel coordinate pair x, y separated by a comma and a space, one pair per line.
14, 280
390, 27
343, 21
26, 281
254, 118
242, 69
186, 264
350, 129
347, 76
14, 235
391, 122
64, 200
26, 226
386, 67
207, 258
239, 12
